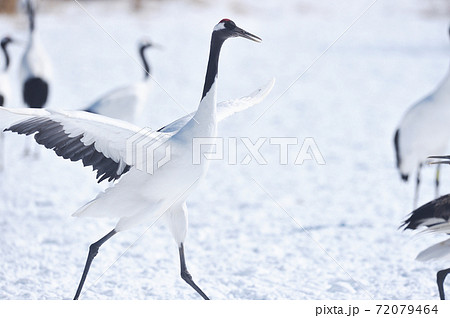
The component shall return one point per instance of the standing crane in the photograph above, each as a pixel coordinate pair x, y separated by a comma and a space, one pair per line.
138, 196
416, 138
35, 71
35, 66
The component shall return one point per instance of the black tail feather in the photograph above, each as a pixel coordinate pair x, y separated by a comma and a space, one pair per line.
35, 92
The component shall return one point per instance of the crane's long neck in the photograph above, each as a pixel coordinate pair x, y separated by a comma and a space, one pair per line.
144, 60
213, 64
206, 112
443, 90
30, 11
5, 52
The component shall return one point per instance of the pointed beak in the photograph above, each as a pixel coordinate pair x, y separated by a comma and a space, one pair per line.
443, 160
17, 40
247, 35
157, 46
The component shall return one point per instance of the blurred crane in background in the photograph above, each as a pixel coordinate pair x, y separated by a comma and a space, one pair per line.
423, 131
126, 103
35, 70
5, 89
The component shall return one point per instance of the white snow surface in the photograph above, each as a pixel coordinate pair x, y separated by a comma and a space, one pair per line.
255, 231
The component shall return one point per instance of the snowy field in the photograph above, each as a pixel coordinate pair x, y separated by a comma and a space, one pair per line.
256, 231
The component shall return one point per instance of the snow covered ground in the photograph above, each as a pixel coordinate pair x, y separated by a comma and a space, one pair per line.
256, 231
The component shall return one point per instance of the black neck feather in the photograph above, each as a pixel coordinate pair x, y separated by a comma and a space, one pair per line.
5, 52
213, 62
30, 11
144, 60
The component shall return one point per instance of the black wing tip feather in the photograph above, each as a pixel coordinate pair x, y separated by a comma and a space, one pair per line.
430, 210
419, 215
410, 223
51, 134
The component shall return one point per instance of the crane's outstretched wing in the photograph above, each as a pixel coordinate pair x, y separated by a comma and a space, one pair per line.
98, 141
226, 108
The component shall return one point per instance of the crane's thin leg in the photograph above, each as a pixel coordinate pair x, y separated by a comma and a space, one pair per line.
37, 151
416, 192
438, 169
186, 276
93, 250
440, 281
31, 148
26, 151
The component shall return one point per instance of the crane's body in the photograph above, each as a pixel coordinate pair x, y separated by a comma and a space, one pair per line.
167, 187
422, 131
125, 103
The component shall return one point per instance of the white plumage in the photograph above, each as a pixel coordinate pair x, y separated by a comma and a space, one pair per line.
35, 60
109, 135
227, 108
418, 130
423, 132
434, 252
